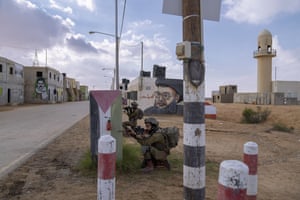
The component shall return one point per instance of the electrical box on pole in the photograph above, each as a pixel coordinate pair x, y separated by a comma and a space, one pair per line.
184, 50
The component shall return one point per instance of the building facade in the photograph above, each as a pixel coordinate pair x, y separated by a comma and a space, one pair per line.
71, 88
11, 82
43, 85
225, 94
288, 92
84, 93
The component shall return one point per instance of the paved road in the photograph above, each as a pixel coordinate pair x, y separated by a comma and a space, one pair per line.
25, 130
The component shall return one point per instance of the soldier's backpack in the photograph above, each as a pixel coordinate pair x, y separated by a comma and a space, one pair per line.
172, 135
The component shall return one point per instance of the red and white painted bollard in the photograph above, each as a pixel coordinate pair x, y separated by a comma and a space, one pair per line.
250, 159
232, 182
210, 111
106, 168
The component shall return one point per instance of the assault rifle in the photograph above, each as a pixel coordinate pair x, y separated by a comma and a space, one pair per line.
128, 109
135, 131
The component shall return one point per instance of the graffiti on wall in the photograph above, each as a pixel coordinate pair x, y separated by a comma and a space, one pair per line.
167, 97
41, 88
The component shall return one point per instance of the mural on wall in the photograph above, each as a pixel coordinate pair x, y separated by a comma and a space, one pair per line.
167, 97
41, 88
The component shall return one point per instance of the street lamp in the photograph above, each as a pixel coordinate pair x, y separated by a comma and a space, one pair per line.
114, 76
112, 81
108, 34
116, 72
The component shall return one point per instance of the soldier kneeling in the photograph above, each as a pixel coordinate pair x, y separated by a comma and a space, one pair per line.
154, 145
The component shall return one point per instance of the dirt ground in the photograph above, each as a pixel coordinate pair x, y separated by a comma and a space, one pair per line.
52, 173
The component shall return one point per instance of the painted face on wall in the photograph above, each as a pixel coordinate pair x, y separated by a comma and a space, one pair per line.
40, 86
164, 96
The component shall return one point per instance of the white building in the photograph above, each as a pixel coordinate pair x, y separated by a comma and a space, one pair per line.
11, 82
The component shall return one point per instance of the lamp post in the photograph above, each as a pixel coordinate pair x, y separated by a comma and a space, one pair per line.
116, 70
117, 38
112, 81
114, 76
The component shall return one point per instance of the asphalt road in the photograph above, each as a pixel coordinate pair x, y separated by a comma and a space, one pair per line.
25, 130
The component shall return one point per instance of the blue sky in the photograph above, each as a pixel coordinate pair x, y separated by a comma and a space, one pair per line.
61, 27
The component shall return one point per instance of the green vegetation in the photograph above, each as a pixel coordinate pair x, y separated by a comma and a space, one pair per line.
282, 127
131, 158
86, 165
250, 116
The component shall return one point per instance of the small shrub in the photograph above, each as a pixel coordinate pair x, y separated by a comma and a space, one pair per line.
131, 161
282, 127
86, 165
131, 158
258, 116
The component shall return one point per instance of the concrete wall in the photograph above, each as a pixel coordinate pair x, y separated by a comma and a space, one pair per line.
291, 89
145, 87
11, 82
250, 98
43, 85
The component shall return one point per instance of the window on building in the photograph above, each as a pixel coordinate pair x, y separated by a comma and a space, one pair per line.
54, 76
39, 74
50, 75
11, 70
269, 49
1, 70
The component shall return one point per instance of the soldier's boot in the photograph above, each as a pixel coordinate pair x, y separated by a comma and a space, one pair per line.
144, 163
167, 164
149, 166
163, 164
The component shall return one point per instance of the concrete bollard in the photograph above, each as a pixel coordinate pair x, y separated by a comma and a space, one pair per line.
106, 168
250, 159
232, 182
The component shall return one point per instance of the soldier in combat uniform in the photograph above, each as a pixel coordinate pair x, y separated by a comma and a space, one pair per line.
134, 113
154, 146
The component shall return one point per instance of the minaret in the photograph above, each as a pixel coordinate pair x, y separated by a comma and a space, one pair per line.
36, 60
264, 55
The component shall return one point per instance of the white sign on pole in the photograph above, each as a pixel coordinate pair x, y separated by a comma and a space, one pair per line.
210, 8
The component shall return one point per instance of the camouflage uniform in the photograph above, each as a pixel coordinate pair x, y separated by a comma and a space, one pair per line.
154, 146
133, 114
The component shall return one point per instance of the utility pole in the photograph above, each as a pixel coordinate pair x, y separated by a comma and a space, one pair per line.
194, 103
142, 56
117, 38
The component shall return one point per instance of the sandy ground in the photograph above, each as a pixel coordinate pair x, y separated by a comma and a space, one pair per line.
52, 172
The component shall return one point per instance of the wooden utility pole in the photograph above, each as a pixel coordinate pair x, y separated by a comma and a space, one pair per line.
194, 102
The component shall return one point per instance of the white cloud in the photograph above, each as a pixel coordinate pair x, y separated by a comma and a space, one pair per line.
155, 48
88, 4
29, 27
26, 3
287, 62
258, 11
68, 22
54, 4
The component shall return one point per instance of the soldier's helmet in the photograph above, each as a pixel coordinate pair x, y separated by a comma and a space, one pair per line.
152, 121
134, 104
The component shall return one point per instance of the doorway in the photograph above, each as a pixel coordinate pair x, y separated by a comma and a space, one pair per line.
8, 95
